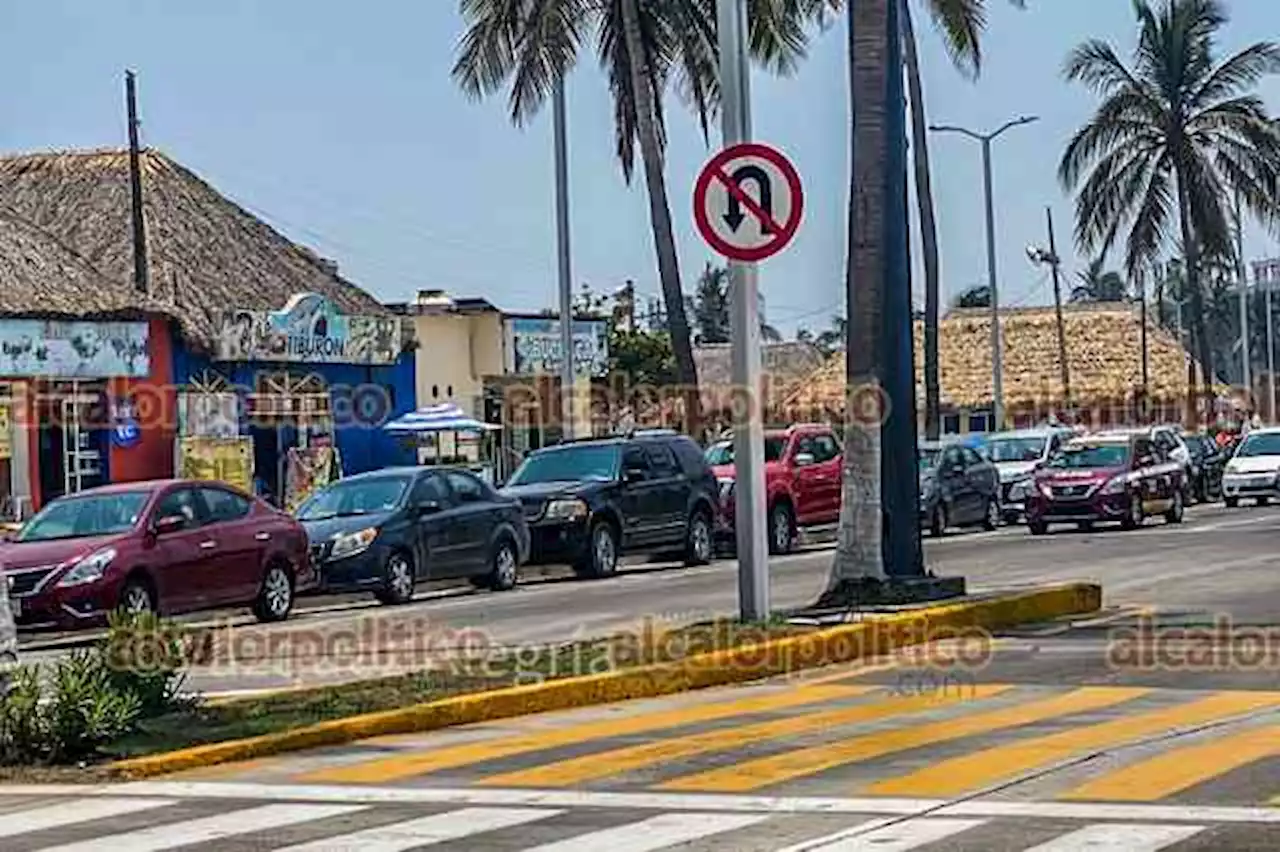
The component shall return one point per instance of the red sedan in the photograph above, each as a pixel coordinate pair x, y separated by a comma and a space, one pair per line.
168, 547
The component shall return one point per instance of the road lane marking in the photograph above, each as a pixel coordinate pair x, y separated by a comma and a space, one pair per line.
1117, 837
984, 768
432, 759
766, 771
208, 829
591, 767
426, 831
13, 823
895, 837
1180, 769
655, 833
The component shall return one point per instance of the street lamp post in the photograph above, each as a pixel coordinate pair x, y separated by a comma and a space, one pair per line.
997, 368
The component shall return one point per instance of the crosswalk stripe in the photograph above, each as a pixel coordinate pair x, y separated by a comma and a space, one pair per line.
655, 833
979, 769
207, 829
893, 837
424, 761
589, 767
438, 828
1180, 769
14, 823
1118, 837
762, 772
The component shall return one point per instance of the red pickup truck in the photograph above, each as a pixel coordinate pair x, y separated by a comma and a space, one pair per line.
802, 481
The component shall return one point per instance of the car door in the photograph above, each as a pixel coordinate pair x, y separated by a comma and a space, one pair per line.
827, 479
984, 482
954, 488
671, 492
805, 478
236, 562
638, 498
185, 557
431, 511
472, 521
1146, 466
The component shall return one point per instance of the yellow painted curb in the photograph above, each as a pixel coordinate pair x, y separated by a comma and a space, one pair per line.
841, 644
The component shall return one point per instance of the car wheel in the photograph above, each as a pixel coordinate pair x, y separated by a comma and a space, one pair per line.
938, 521
1174, 515
1037, 527
275, 598
992, 518
782, 529
506, 567
137, 598
1231, 502
698, 541
397, 579
1134, 514
601, 559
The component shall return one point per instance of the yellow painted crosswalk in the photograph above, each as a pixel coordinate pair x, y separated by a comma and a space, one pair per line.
858, 739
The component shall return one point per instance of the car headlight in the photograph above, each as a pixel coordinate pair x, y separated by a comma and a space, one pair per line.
566, 510
1116, 486
1020, 489
349, 544
89, 569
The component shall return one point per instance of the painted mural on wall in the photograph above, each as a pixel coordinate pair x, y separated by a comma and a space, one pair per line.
310, 329
536, 346
79, 350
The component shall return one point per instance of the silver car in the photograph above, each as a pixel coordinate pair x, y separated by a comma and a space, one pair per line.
1017, 455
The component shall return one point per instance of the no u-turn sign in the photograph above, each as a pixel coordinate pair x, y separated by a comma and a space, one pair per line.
748, 202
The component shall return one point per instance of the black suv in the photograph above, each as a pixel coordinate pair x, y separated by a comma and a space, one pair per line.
589, 501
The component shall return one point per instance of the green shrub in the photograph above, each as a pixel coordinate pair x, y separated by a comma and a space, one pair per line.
145, 654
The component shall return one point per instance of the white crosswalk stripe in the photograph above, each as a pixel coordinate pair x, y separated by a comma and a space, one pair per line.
1117, 837
893, 837
439, 828
207, 829
153, 825
656, 833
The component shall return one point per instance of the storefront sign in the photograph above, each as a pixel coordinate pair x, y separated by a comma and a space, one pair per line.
73, 350
228, 460
536, 346
311, 330
125, 432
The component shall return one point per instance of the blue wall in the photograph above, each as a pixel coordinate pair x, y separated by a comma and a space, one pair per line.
362, 444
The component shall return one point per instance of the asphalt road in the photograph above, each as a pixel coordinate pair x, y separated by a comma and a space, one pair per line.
1219, 563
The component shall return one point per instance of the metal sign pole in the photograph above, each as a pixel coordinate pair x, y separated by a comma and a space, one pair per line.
748, 435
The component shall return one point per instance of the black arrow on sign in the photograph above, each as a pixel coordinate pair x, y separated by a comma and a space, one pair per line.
735, 215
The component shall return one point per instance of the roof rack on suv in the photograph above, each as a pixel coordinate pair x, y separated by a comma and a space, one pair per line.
650, 433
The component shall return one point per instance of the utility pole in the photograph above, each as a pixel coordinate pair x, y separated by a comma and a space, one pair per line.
140, 268
1244, 303
567, 373
1145, 410
1055, 262
744, 327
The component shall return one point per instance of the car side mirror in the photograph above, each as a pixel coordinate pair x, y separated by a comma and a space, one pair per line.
804, 459
428, 507
633, 474
169, 524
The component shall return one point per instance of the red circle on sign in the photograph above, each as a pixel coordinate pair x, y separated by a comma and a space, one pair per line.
714, 171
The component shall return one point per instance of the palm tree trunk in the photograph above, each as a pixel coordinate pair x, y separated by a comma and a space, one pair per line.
664, 241
928, 223
1192, 254
859, 546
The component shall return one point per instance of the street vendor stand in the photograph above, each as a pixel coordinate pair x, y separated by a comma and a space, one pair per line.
444, 435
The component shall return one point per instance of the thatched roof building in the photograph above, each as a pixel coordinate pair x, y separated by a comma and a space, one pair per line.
1104, 354
206, 254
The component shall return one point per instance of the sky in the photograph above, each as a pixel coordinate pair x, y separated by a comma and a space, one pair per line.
341, 126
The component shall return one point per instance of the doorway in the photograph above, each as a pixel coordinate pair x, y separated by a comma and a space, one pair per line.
72, 439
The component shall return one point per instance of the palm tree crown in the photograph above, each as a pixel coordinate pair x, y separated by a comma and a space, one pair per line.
1099, 285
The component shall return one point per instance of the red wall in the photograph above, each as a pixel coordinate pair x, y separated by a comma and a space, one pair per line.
157, 405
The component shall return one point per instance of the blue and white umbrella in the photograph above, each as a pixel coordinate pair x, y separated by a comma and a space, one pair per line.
445, 417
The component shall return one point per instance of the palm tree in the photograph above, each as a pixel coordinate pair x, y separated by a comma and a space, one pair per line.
1099, 286
961, 25
1176, 134
644, 46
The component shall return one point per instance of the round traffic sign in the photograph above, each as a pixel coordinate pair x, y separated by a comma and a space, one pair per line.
748, 202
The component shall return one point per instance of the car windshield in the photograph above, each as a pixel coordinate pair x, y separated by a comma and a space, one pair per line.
84, 516
1023, 449
1075, 456
721, 453
1196, 445
355, 497
1260, 445
598, 462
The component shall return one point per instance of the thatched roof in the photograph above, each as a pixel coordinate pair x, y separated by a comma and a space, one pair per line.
206, 254
1104, 354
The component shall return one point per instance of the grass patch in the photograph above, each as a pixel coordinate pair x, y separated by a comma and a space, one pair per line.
204, 723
